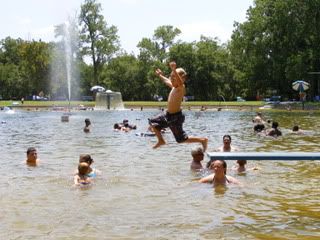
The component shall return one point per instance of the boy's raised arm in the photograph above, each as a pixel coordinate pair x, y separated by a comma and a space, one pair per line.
173, 67
163, 78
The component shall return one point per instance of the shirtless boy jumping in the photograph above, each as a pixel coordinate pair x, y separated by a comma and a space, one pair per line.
174, 118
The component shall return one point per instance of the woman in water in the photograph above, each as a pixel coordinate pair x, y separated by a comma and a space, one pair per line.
219, 177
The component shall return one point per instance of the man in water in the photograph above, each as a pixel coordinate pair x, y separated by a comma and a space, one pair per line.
197, 156
32, 157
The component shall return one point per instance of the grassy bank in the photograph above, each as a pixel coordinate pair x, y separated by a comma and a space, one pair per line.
129, 104
195, 104
154, 104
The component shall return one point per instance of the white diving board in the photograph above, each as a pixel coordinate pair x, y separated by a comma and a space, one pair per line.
283, 156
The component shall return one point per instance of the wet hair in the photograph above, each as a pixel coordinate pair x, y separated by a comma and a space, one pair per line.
226, 136
210, 162
224, 164
85, 158
116, 126
242, 162
87, 120
197, 151
31, 149
182, 73
258, 127
275, 124
295, 128
83, 168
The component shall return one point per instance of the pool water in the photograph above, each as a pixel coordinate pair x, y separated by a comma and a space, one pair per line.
144, 193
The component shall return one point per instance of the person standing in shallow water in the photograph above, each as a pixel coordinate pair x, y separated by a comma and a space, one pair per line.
197, 157
274, 131
226, 147
86, 128
219, 177
86, 158
82, 178
32, 157
174, 118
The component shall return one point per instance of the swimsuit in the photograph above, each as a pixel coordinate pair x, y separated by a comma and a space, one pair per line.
227, 181
92, 174
172, 120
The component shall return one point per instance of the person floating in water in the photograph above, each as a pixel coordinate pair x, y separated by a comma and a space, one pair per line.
174, 118
125, 123
297, 130
87, 125
120, 127
82, 178
32, 157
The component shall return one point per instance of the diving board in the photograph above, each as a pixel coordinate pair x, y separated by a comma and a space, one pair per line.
283, 156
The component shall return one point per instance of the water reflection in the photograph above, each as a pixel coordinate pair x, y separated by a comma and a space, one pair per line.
151, 194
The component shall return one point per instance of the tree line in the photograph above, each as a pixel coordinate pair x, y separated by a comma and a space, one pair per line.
277, 44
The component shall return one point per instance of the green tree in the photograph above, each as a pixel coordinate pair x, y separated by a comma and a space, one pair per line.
277, 44
206, 63
99, 41
35, 59
158, 48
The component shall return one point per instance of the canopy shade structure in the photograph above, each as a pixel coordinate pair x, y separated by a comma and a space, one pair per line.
97, 89
300, 86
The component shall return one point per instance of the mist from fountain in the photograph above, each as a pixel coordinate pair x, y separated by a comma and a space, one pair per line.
68, 54
64, 73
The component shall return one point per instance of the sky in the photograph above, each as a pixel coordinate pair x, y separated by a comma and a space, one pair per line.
135, 19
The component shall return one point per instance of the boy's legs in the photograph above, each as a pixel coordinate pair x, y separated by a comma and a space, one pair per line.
157, 123
181, 136
159, 136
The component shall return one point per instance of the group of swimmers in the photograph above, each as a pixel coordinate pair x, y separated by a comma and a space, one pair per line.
84, 174
124, 126
260, 127
173, 118
218, 168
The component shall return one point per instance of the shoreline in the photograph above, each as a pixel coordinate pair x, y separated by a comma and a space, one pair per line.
195, 106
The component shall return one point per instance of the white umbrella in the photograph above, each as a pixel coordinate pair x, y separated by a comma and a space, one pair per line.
97, 88
300, 86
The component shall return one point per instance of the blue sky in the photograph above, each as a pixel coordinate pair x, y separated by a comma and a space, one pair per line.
135, 19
